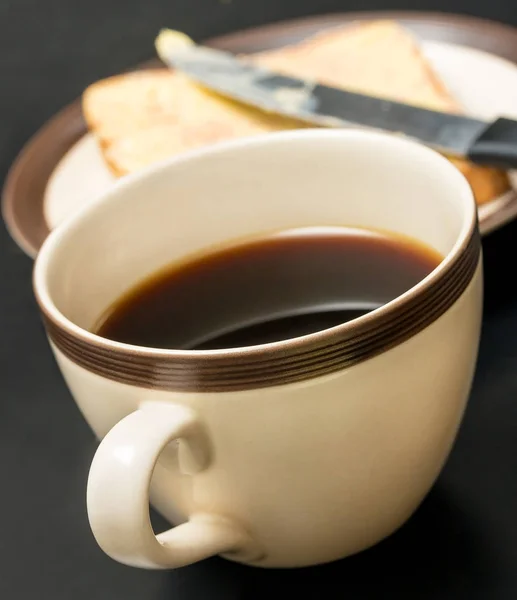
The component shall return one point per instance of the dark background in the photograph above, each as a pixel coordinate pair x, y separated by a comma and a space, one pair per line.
461, 544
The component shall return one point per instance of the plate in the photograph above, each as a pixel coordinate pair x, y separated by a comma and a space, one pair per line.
60, 169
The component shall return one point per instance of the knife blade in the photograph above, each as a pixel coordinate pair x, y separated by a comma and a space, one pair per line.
491, 143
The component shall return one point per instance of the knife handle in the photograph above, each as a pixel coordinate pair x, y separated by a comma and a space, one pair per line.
497, 145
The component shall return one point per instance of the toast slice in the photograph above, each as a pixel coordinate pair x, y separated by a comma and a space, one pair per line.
146, 116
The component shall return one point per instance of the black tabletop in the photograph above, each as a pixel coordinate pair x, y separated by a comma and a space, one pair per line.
461, 543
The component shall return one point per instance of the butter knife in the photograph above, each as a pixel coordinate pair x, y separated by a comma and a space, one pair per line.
490, 143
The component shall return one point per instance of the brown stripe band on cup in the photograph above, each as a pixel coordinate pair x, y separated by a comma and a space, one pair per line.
274, 364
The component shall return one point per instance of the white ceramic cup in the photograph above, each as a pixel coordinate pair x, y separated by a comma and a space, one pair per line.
287, 454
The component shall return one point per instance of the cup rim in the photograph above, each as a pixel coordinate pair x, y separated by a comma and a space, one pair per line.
294, 345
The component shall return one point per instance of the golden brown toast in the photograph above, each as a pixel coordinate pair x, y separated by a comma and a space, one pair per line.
143, 117
146, 116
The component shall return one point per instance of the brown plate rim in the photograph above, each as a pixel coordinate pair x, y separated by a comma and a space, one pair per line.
24, 218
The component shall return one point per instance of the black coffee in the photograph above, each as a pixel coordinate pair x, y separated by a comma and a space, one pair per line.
268, 289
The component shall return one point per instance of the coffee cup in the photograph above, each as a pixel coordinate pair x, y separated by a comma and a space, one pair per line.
291, 453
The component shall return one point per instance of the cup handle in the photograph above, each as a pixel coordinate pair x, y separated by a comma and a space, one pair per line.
118, 493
